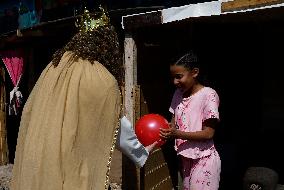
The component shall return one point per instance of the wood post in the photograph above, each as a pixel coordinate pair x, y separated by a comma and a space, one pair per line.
3, 132
130, 174
130, 63
247, 4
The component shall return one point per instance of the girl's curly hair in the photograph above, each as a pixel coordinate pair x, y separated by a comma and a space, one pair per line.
100, 45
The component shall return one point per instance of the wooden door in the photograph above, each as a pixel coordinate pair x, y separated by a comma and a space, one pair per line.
155, 174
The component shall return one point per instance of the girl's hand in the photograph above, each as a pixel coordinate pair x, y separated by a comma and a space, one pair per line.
166, 134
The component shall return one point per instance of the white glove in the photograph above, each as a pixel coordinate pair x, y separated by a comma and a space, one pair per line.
128, 143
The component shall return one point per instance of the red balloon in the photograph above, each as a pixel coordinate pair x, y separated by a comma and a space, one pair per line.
147, 129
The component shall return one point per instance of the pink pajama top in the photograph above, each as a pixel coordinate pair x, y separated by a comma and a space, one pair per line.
189, 115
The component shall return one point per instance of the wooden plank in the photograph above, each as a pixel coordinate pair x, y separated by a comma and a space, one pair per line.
141, 20
130, 62
137, 106
143, 105
137, 114
247, 4
131, 174
4, 152
156, 172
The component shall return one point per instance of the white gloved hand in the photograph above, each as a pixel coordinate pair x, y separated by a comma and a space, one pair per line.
128, 143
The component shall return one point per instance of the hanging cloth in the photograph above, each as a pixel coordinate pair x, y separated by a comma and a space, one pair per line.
28, 15
13, 61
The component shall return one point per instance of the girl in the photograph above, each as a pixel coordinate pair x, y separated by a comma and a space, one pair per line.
195, 115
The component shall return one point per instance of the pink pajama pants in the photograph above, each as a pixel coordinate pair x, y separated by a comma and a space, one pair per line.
202, 173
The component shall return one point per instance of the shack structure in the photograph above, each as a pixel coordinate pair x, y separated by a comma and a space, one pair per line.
238, 43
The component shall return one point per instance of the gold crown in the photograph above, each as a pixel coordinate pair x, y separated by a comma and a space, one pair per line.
90, 22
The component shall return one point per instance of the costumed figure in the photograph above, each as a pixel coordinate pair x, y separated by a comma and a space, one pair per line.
71, 120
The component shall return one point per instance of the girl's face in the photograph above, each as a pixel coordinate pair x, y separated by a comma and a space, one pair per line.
183, 78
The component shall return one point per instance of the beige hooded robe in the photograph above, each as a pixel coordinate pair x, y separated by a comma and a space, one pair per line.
68, 128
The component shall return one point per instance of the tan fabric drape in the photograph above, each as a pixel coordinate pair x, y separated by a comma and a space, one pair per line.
68, 128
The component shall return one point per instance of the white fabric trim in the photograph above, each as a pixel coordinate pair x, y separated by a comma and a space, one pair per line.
192, 10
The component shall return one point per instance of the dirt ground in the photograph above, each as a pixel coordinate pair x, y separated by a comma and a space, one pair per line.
5, 176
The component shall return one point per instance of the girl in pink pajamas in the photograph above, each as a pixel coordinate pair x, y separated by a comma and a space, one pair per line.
195, 116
